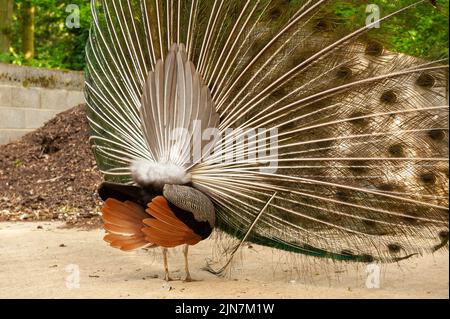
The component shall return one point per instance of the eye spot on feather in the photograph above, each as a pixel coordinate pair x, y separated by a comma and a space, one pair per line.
344, 72
426, 80
396, 150
275, 13
436, 135
428, 178
369, 223
374, 48
389, 97
278, 93
386, 187
443, 235
394, 248
322, 25
342, 195
358, 120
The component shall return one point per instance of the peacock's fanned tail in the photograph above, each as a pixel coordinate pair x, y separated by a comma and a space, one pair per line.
358, 134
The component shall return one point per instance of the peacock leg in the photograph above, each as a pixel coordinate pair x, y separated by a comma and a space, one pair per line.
166, 266
186, 263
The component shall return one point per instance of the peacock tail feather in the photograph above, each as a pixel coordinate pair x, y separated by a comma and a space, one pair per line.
358, 134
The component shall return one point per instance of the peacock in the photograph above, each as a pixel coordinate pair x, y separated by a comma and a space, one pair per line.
269, 120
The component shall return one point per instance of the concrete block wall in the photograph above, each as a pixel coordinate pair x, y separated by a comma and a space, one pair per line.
29, 97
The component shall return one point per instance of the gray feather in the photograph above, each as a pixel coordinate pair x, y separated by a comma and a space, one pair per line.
191, 200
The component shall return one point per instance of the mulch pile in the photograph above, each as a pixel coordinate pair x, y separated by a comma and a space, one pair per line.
51, 174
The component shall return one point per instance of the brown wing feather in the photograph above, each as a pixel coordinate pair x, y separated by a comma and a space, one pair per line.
123, 223
166, 229
129, 227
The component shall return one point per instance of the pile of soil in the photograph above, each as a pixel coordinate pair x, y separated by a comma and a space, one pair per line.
51, 174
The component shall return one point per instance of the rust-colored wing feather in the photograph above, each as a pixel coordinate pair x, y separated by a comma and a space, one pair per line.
165, 229
123, 223
129, 226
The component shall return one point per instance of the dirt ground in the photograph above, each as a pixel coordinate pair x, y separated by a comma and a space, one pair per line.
51, 174
42, 260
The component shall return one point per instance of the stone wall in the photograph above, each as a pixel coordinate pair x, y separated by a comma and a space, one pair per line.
29, 97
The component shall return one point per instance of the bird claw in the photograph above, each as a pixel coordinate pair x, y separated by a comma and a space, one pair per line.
190, 279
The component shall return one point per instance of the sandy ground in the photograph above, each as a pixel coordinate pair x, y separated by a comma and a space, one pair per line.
42, 260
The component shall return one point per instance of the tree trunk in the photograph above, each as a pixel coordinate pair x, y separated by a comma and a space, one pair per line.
6, 9
28, 11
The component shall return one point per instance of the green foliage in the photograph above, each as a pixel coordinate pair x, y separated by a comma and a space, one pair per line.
421, 31
57, 46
